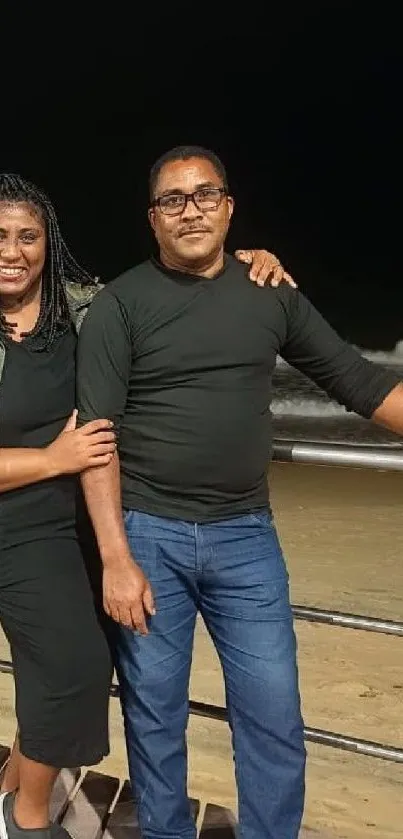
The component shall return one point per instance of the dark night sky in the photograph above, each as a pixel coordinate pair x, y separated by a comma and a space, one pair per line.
304, 108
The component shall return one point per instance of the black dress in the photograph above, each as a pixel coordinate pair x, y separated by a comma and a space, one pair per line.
61, 660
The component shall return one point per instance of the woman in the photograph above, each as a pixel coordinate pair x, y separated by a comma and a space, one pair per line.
60, 656
61, 662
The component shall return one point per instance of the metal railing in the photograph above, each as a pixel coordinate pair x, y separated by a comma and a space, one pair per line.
316, 735
366, 456
339, 454
324, 454
313, 615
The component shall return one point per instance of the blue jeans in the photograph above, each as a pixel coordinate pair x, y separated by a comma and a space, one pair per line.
233, 573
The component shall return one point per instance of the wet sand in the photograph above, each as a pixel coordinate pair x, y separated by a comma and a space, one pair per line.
342, 534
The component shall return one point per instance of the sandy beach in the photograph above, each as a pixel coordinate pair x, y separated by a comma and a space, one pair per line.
342, 534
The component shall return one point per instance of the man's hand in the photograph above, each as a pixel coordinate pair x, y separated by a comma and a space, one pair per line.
128, 597
265, 267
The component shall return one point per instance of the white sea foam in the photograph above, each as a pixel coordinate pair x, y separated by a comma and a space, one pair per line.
307, 408
294, 395
391, 359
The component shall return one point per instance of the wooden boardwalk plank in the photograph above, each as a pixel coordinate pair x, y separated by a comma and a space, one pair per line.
88, 810
195, 808
218, 823
4, 753
123, 823
62, 789
87, 815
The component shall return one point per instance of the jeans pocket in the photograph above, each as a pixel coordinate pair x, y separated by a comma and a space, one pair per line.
142, 542
135, 523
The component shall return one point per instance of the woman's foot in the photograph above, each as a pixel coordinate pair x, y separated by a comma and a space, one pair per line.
9, 829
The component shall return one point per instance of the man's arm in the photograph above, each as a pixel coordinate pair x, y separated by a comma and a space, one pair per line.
317, 350
103, 497
103, 369
127, 593
390, 412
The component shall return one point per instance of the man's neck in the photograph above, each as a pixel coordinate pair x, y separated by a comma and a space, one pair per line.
209, 268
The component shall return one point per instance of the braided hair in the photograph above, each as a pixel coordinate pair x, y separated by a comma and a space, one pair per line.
60, 266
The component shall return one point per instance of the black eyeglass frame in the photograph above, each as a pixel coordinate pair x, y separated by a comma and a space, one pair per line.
221, 192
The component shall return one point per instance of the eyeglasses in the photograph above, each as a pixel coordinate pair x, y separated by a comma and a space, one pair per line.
207, 198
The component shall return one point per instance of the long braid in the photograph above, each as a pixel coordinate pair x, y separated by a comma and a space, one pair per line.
60, 266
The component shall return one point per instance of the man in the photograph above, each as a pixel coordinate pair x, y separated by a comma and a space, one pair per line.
179, 353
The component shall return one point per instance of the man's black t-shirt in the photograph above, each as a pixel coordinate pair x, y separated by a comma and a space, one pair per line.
183, 366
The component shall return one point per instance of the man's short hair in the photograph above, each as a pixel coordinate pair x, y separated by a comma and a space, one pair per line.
185, 153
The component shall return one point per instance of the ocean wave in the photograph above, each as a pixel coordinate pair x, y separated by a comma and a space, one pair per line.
294, 406
394, 358
296, 396
390, 358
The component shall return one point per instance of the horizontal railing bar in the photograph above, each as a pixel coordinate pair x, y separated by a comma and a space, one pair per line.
354, 744
314, 735
339, 454
345, 619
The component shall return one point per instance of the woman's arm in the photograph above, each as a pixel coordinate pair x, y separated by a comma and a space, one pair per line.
74, 450
19, 467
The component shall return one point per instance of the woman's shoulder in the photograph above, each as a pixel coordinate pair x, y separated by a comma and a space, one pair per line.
79, 298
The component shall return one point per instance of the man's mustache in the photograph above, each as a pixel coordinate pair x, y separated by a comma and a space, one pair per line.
193, 229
